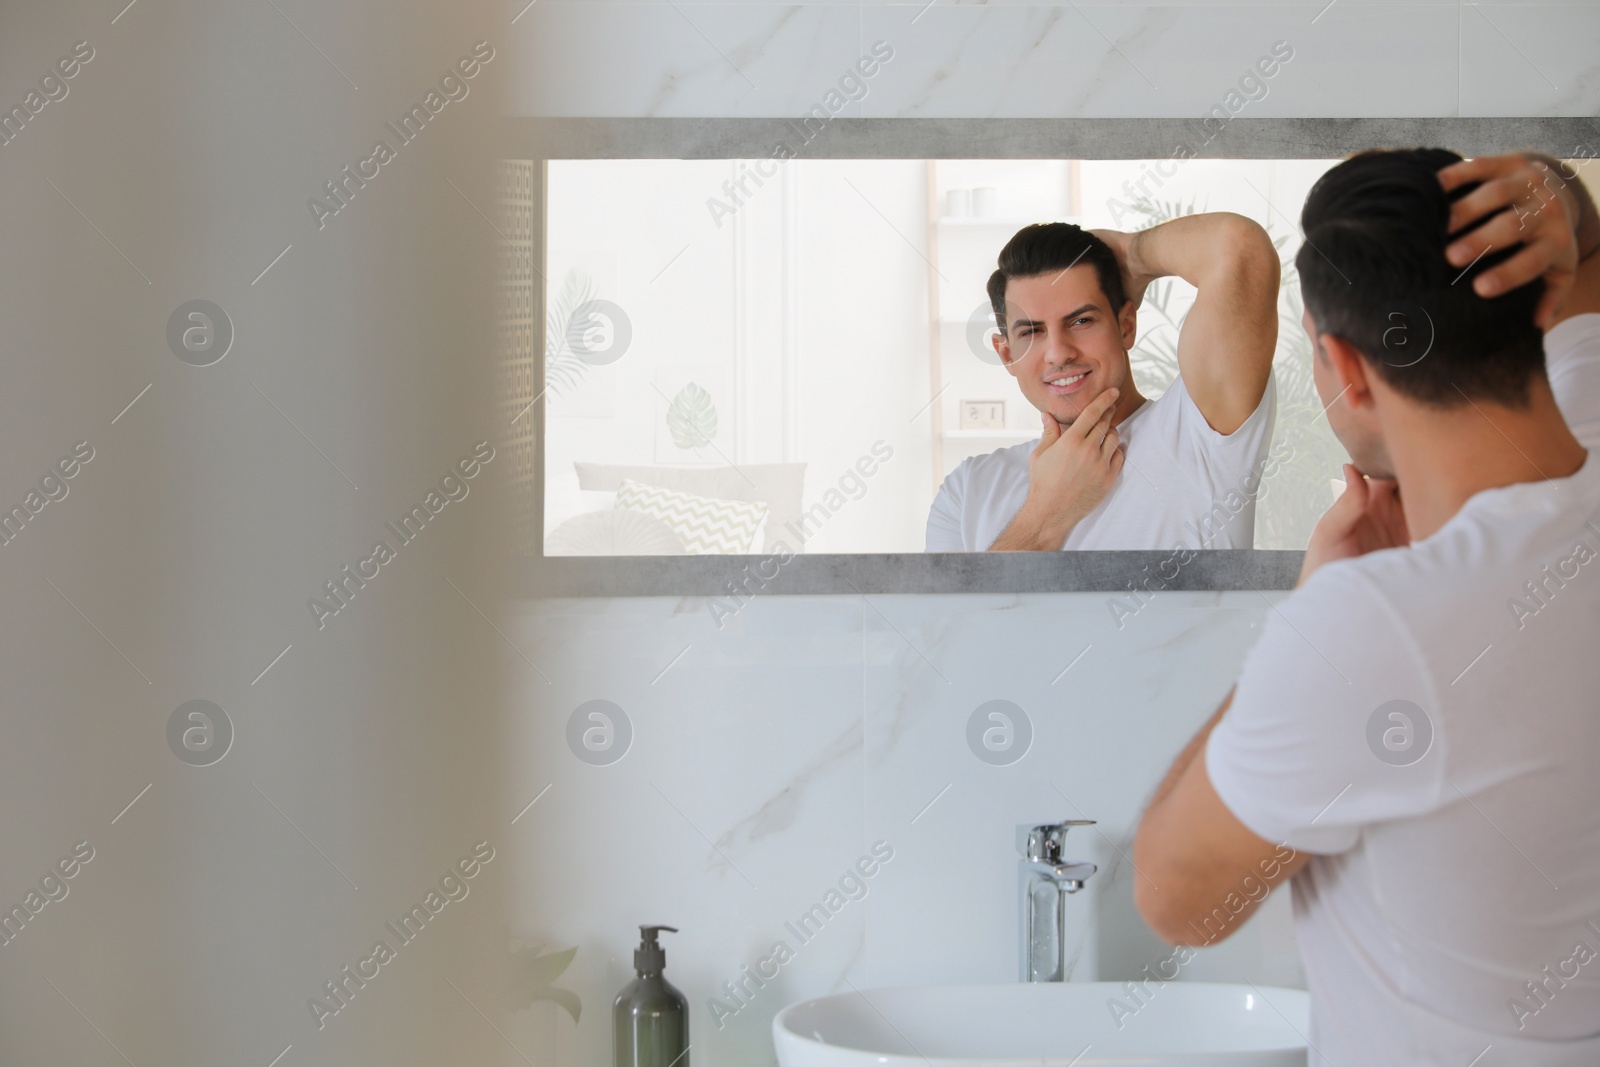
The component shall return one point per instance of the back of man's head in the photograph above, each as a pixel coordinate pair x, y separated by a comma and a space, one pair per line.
1373, 272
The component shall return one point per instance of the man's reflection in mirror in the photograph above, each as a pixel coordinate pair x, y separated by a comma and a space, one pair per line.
1112, 469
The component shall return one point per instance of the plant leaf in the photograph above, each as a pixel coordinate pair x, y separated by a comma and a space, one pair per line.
566, 999
542, 970
562, 368
692, 417
532, 975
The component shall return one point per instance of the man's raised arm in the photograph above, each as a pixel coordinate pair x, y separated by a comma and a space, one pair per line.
1226, 345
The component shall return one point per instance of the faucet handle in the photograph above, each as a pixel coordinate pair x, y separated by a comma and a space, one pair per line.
1043, 844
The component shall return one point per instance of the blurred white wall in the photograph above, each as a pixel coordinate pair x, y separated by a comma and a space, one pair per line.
364, 763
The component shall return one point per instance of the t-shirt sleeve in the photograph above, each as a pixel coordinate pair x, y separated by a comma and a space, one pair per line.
944, 518
1246, 443
1333, 725
1572, 360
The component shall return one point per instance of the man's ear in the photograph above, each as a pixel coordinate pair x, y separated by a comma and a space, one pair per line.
1350, 370
1002, 348
1128, 322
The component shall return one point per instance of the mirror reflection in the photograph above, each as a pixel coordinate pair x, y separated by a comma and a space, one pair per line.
804, 356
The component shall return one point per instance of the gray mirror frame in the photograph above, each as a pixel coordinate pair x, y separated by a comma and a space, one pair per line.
740, 577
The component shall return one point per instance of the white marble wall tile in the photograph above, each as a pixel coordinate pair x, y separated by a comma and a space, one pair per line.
1015, 61
737, 807
679, 59
1531, 59
1127, 60
770, 753
1353, 58
1104, 732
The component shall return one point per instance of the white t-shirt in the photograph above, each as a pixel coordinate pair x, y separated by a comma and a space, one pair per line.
1183, 484
1426, 722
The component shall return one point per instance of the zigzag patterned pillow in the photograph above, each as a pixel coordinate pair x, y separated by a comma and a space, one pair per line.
705, 525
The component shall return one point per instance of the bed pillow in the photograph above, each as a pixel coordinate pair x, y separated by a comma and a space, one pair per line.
702, 523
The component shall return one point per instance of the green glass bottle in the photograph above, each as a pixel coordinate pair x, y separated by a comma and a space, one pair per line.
650, 1019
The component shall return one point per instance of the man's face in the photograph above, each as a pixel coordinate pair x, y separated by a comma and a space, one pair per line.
1357, 431
1063, 342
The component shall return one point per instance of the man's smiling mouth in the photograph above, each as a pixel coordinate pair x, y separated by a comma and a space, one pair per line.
1066, 383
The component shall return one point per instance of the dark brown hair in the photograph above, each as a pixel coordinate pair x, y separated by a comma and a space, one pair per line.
1373, 273
1048, 247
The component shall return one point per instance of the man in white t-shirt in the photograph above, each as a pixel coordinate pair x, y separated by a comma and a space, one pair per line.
1415, 739
1112, 470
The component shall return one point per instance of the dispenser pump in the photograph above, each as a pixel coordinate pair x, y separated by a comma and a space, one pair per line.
649, 958
649, 1018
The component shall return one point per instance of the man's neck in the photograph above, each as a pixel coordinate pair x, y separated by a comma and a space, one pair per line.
1442, 458
1128, 401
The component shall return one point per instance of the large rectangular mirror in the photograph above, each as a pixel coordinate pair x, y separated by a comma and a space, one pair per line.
776, 353
818, 341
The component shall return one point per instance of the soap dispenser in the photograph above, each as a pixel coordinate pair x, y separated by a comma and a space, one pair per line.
650, 1018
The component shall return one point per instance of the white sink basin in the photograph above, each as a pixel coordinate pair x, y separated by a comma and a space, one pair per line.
1081, 1024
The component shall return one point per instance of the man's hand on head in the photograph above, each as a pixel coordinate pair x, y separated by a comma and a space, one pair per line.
1069, 473
1541, 217
1135, 279
1367, 517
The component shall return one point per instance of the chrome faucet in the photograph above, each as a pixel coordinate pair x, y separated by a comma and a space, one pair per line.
1044, 880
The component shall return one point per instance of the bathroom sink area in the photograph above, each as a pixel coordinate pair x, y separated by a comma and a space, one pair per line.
1048, 1024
